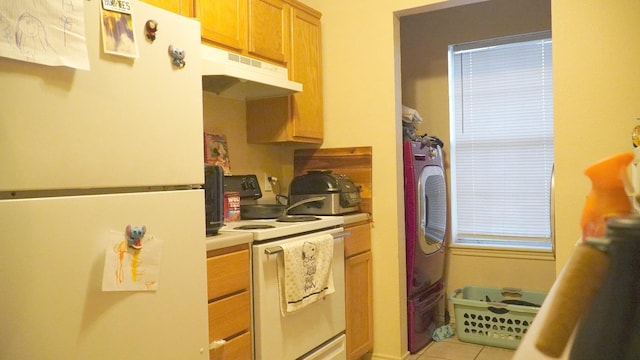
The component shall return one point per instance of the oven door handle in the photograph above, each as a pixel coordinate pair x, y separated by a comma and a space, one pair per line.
278, 249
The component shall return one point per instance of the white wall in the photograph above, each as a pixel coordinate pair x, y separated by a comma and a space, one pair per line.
228, 117
597, 97
596, 101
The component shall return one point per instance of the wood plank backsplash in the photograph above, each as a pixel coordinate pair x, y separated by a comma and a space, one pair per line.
354, 162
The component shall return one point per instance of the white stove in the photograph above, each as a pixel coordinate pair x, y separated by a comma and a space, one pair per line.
313, 332
271, 229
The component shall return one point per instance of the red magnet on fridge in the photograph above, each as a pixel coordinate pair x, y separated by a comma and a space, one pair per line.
150, 29
178, 56
135, 235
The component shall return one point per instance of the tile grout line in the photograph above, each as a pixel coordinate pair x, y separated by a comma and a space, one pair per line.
478, 354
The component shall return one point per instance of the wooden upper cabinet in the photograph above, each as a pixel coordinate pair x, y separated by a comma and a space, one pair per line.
182, 7
299, 117
223, 22
268, 25
306, 68
255, 28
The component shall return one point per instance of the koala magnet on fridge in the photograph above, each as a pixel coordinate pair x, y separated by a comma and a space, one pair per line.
135, 235
178, 56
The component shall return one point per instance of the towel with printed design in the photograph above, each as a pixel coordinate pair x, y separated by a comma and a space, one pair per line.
304, 272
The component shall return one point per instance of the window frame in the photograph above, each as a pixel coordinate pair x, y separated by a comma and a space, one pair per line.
542, 245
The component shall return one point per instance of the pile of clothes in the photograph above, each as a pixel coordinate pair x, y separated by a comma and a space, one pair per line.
410, 118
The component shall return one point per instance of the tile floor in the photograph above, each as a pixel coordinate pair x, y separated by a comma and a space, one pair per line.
454, 349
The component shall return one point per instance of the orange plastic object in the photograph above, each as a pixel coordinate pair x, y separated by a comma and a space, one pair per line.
607, 197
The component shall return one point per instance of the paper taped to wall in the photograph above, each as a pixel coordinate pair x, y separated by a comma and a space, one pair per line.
45, 32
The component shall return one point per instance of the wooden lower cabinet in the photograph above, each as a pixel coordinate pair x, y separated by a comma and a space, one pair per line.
359, 290
228, 287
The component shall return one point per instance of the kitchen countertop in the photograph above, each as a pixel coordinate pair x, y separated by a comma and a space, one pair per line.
226, 239
356, 217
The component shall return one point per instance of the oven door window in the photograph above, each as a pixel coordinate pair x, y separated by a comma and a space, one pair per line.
432, 202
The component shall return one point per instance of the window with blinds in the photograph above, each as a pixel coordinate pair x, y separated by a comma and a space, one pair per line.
502, 142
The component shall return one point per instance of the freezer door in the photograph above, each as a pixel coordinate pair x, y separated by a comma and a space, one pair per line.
51, 272
126, 122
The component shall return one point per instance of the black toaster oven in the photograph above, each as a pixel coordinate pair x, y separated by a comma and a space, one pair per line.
341, 195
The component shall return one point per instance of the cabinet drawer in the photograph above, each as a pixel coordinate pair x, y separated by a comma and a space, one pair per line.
238, 348
359, 241
229, 316
227, 274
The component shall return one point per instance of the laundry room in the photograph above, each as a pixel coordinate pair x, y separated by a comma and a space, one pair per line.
425, 41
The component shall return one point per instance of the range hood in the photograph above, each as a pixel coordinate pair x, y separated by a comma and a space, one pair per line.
239, 77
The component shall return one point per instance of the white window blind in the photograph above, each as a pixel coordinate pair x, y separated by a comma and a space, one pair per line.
502, 141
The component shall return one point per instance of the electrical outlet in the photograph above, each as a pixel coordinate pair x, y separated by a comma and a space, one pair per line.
267, 183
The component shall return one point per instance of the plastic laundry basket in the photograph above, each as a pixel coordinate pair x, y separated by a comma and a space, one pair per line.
494, 316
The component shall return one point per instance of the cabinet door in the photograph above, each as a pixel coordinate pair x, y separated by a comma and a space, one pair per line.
305, 68
359, 290
182, 7
299, 117
223, 22
267, 29
359, 304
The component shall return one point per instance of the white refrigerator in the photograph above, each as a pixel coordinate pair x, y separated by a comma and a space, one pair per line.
84, 154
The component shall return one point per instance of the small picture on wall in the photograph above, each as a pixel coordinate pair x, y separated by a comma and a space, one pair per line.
118, 37
216, 151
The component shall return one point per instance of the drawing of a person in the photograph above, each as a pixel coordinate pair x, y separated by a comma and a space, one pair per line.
31, 36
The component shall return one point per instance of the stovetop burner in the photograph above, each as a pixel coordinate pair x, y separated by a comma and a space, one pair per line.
254, 227
268, 229
297, 218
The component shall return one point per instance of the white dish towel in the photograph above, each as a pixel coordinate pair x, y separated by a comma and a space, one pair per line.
304, 272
